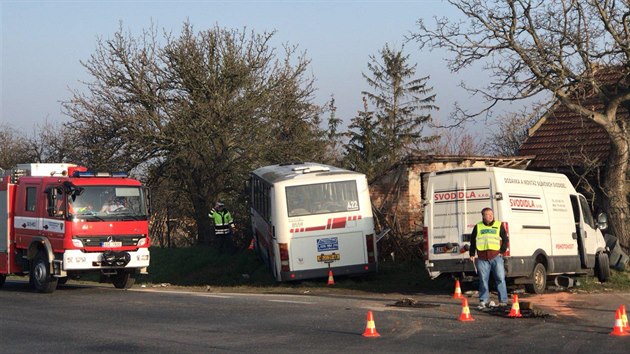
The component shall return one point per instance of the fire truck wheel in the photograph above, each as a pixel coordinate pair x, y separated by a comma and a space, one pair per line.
40, 276
3, 277
123, 279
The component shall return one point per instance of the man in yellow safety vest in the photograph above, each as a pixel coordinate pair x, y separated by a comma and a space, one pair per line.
223, 227
489, 241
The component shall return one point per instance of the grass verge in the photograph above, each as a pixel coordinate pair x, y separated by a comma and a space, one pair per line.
203, 266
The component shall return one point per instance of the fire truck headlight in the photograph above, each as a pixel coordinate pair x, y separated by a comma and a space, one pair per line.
77, 243
142, 241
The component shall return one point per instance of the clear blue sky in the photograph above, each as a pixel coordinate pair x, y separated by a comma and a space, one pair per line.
43, 43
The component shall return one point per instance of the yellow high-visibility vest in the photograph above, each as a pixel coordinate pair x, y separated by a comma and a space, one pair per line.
488, 237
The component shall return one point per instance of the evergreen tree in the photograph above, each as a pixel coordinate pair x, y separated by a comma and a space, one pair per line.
401, 101
334, 143
364, 151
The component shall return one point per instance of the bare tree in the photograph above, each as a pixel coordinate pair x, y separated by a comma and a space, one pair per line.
14, 148
54, 143
511, 132
454, 141
532, 48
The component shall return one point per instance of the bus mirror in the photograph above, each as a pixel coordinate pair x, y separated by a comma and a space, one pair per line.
602, 221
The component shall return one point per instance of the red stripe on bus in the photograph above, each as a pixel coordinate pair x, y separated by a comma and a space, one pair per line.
338, 223
333, 223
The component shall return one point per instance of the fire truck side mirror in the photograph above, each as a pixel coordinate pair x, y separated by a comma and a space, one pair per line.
147, 195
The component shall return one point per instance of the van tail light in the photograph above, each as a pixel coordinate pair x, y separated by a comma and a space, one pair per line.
284, 257
369, 245
507, 231
425, 242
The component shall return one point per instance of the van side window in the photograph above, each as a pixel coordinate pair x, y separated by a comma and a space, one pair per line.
31, 198
586, 213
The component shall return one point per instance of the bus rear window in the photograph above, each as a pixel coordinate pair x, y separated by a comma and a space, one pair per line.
322, 198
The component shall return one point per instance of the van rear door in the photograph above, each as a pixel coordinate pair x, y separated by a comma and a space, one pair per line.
456, 200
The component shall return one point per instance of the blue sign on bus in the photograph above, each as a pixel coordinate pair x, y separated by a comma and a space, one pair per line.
327, 244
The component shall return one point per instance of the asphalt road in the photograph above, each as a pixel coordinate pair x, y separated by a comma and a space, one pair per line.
91, 319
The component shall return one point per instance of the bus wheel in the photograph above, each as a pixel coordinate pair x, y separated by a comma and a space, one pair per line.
40, 276
539, 280
3, 277
602, 267
123, 279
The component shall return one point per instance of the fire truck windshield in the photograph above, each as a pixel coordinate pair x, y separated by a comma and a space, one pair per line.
107, 203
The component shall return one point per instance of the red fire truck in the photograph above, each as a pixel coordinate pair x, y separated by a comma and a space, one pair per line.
59, 221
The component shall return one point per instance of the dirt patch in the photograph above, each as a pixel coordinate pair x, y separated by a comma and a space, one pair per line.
557, 303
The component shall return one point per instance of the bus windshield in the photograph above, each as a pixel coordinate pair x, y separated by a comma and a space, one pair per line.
107, 203
322, 198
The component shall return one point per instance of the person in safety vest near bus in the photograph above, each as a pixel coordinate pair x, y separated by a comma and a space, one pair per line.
489, 241
223, 227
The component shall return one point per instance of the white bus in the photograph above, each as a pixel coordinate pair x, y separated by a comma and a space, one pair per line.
308, 218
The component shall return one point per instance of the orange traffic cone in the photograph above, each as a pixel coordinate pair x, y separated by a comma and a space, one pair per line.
624, 318
331, 280
458, 291
516, 308
251, 245
370, 328
618, 329
465, 316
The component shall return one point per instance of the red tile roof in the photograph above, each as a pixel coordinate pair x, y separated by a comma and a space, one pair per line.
563, 138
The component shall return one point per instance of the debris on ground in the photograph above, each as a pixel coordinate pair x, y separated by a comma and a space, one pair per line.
409, 302
162, 285
527, 310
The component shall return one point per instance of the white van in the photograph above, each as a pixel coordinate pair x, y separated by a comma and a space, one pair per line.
550, 228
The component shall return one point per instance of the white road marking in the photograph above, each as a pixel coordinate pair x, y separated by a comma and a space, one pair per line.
292, 302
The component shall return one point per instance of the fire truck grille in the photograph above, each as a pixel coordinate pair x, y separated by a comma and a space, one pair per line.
98, 241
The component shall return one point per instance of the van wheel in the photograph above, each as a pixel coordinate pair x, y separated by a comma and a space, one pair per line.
40, 276
123, 279
539, 280
602, 267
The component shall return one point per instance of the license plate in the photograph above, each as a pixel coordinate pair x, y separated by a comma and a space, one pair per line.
443, 249
328, 257
111, 244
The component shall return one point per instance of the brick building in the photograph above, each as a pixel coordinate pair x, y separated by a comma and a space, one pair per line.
397, 195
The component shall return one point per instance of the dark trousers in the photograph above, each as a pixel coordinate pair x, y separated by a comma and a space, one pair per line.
226, 243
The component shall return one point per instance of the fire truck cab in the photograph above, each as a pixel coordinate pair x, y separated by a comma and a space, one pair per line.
59, 221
